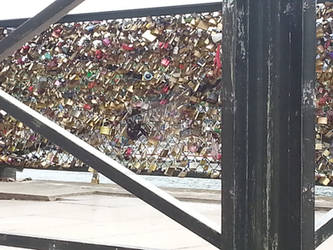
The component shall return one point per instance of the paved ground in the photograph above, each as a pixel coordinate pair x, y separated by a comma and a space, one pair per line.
106, 214
103, 219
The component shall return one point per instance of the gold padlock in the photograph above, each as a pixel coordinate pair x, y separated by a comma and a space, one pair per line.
322, 120
182, 174
137, 165
169, 171
326, 153
20, 125
105, 129
318, 146
152, 168
324, 181
214, 175
164, 153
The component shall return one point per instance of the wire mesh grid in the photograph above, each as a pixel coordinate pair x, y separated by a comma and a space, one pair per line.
145, 91
324, 81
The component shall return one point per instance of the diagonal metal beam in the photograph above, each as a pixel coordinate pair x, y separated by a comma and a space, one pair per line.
324, 228
36, 25
25, 241
130, 13
112, 169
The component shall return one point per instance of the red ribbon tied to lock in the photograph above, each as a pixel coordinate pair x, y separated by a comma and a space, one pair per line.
217, 60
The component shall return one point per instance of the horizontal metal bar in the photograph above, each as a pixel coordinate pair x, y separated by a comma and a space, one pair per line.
324, 228
157, 11
324, 1
110, 168
35, 26
32, 242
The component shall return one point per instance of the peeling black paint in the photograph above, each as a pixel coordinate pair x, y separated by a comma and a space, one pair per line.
268, 126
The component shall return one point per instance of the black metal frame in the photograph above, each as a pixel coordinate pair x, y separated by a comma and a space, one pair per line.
268, 126
39, 243
324, 228
134, 13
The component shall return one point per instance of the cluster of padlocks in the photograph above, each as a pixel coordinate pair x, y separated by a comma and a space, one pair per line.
145, 91
324, 91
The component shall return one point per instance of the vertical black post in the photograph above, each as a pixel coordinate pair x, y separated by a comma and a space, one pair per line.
308, 120
268, 124
234, 123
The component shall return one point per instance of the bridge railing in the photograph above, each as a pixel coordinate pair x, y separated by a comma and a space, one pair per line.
267, 129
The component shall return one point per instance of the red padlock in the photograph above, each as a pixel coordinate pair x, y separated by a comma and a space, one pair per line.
87, 107
163, 102
128, 151
26, 47
91, 85
163, 45
20, 61
99, 54
165, 89
165, 62
128, 47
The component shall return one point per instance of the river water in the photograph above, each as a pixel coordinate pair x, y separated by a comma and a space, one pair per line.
160, 181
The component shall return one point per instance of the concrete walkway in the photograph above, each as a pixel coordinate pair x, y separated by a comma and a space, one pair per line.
107, 214
104, 220
52, 190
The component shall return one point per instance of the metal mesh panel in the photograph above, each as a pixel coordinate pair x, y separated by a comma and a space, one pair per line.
324, 112
145, 91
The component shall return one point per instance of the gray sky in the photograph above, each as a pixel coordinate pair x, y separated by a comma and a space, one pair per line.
18, 8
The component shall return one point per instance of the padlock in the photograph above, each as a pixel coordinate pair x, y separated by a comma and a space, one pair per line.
182, 174
324, 181
105, 128
322, 120
169, 171
149, 36
164, 153
326, 153
152, 168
